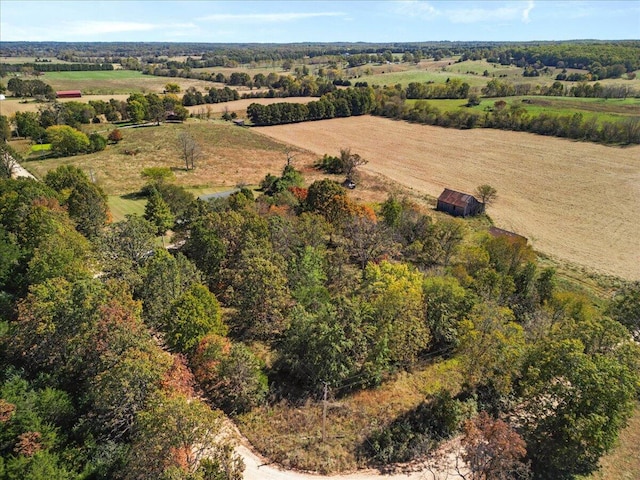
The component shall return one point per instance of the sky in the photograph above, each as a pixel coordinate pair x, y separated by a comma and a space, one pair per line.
270, 21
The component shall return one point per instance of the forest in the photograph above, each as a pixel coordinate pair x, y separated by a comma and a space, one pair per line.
119, 355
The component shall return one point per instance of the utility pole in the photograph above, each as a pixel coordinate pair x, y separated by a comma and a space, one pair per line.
324, 412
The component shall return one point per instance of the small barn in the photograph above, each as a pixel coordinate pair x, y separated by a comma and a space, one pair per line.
500, 232
69, 94
459, 204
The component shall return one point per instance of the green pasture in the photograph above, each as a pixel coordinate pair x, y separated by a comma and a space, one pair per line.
44, 147
604, 110
114, 82
121, 205
418, 76
93, 75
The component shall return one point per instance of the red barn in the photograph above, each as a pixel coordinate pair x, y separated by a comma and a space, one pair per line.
459, 204
69, 94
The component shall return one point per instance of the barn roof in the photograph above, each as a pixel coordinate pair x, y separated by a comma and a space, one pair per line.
458, 199
499, 232
69, 92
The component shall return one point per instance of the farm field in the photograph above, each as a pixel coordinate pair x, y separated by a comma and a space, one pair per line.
241, 105
116, 82
556, 192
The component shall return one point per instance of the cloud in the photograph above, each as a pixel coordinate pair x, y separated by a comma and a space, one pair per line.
482, 13
92, 28
416, 8
527, 11
266, 17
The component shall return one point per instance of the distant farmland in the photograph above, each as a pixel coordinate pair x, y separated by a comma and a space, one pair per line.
575, 201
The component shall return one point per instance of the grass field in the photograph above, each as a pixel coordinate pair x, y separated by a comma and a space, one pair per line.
556, 192
121, 206
115, 82
613, 109
231, 155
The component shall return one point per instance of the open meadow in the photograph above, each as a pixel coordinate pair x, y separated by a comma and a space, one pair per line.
575, 201
230, 155
116, 82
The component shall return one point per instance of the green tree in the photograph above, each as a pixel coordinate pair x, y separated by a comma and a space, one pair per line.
176, 434
260, 294
66, 141
487, 195
158, 175
625, 307
584, 400
164, 279
230, 374
193, 315
97, 142
85, 201
491, 348
124, 246
158, 213
395, 294
446, 304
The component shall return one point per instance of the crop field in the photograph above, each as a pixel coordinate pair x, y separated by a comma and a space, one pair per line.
575, 201
240, 106
115, 82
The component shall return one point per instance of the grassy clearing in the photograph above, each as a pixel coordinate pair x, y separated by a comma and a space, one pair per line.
121, 206
115, 82
17, 60
292, 435
231, 155
44, 147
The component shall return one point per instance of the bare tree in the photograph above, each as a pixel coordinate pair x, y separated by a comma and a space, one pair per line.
350, 163
7, 164
289, 152
190, 149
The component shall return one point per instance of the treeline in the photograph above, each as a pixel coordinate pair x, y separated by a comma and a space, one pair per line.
43, 67
30, 88
603, 58
452, 88
503, 88
340, 103
515, 118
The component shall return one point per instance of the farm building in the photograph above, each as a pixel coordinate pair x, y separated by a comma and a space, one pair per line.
2, 97
459, 204
69, 94
499, 232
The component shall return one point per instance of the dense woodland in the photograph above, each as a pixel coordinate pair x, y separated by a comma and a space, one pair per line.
117, 355
120, 356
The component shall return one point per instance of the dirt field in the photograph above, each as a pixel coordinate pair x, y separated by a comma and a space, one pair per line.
241, 105
577, 202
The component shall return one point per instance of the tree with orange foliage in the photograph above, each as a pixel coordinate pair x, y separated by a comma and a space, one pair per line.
492, 450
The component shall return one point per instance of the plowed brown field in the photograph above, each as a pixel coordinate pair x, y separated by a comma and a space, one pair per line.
577, 202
